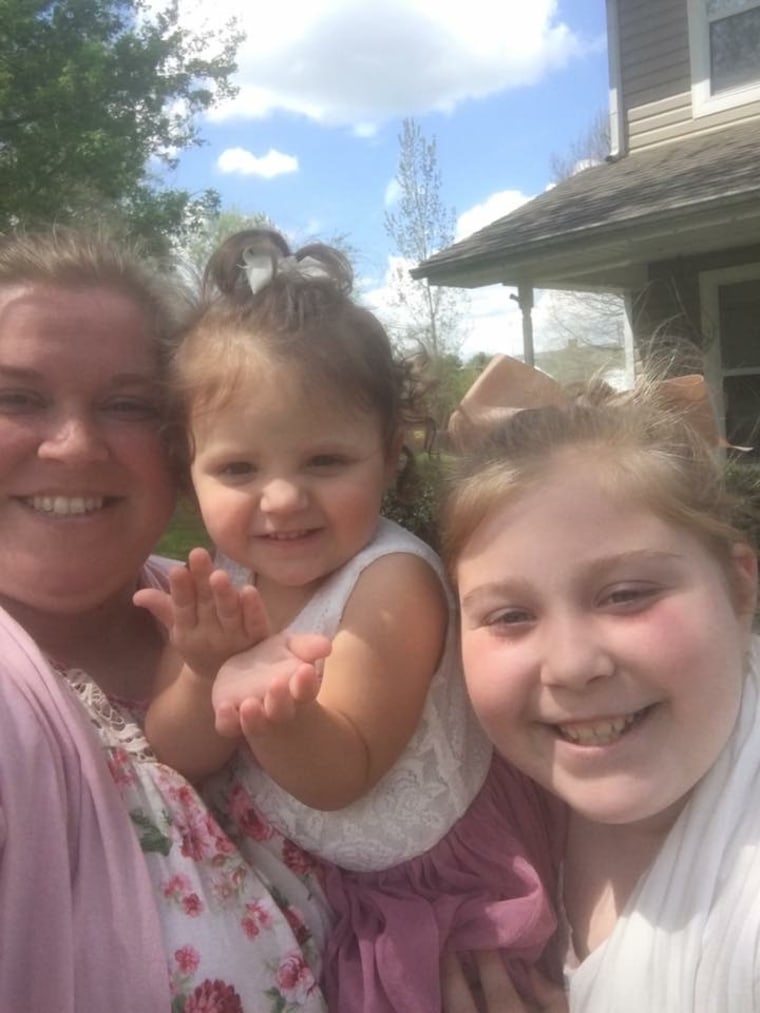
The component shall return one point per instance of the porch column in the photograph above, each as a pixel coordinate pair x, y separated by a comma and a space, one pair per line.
525, 302
629, 346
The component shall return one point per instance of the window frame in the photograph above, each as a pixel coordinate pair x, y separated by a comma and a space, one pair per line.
703, 103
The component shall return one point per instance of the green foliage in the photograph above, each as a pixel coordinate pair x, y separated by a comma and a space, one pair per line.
743, 480
214, 229
185, 531
90, 92
417, 508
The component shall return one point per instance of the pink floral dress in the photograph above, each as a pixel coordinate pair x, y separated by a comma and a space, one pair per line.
242, 910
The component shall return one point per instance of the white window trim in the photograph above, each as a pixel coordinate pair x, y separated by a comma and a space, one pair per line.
702, 102
709, 285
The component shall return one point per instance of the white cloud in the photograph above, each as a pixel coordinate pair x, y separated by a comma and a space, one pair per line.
496, 206
245, 163
361, 62
392, 192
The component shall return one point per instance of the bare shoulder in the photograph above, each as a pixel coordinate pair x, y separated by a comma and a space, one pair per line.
400, 576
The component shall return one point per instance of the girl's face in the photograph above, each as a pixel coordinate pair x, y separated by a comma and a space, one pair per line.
289, 479
603, 648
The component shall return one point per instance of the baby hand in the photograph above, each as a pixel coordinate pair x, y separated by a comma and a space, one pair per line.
208, 619
265, 687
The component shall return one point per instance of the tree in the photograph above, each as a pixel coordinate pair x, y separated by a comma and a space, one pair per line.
575, 320
94, 92
422, 225
210, 231
591, 148
213, 230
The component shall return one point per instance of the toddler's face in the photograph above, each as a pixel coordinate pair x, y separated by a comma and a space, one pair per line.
289, 482
602, 647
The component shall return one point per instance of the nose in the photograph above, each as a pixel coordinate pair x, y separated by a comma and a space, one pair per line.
73, 439
282, 495
574, 653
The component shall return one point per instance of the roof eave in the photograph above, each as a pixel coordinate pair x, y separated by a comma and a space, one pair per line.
608, 256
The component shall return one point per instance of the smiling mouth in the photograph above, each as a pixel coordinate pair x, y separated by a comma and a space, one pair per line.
287, 536
67, 506
602, 732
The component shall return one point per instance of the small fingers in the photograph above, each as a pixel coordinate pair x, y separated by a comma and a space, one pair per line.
252, 718
227, 720
158, 603
455, 989
551, 998
496, 985
255, 619
309, 647
304, 684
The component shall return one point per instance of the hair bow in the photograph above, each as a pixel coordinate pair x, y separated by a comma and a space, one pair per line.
507, 386
260, 268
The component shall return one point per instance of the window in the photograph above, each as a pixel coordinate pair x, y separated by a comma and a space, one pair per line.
724, 40
730, 302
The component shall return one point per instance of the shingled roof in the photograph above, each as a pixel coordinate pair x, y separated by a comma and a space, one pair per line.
601, 227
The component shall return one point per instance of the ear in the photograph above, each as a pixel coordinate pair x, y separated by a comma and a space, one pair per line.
744, 582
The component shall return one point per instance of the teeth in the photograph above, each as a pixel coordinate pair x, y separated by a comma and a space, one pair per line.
599, 733
65, 506
286, 536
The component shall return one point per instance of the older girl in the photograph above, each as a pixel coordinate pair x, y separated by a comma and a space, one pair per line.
607, 589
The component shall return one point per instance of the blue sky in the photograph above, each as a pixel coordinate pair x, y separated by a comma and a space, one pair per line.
312, 138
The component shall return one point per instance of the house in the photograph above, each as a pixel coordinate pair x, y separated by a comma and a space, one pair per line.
672, 219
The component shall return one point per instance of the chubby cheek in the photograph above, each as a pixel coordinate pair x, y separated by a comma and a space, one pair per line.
495, 688
227, 518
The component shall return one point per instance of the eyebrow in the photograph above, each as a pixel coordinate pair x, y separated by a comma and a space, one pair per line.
119, 380
598, 567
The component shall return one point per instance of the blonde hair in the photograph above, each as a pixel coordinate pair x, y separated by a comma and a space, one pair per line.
651, 448
68, 258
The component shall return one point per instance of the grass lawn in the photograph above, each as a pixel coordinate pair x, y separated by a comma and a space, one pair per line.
185, 531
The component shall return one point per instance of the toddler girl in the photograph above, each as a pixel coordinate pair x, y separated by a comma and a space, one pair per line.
366, 753
607, 590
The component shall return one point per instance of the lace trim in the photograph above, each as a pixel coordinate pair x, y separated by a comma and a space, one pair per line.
115, 724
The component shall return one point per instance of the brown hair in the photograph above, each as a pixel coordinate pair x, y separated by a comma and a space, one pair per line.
650, 448
303, 314
68, 258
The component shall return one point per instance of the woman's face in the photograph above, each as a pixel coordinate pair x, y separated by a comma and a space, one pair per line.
85, 487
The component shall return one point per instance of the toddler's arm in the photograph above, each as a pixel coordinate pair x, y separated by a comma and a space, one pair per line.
208, 621
331, 748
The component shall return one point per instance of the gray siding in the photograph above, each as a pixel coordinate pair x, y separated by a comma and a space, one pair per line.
655, 75
669, 307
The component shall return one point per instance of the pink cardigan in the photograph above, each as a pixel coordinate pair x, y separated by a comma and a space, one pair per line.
79, 930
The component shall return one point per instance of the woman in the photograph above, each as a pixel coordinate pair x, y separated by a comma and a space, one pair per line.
86, 488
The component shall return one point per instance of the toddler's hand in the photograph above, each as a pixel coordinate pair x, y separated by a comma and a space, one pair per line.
208, 619
264, 687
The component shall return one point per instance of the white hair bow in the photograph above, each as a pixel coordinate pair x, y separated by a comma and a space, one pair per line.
260, 268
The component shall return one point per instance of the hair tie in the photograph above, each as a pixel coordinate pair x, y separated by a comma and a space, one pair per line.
260, 268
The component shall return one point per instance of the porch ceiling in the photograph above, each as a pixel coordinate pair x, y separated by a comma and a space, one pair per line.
601, 228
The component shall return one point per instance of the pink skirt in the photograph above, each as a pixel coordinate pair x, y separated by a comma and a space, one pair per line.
488, 884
